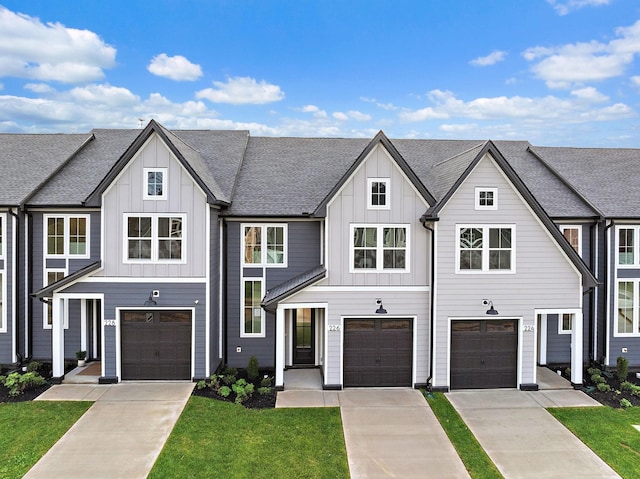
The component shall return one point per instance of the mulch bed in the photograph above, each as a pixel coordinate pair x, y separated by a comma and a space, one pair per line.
256, 401
609, 398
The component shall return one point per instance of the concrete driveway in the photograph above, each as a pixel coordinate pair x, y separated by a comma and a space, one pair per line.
122, 433
523, 439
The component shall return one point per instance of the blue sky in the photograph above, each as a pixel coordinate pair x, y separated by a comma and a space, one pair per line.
554, 72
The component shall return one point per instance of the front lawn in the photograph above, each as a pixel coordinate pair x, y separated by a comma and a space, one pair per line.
29, 429
219, 439
609, 433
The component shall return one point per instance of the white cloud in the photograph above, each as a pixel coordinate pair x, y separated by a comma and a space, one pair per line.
577, 63
50, 52
635, 80
340, 116
105, 95
351, 115
492, 58
39, 88
175, 68
568, 6
242, 91
384, 106
590, 94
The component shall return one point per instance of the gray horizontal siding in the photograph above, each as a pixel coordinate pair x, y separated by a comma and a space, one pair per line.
558, 345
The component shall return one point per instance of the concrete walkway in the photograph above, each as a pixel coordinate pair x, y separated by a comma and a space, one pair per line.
523, 439
121, 434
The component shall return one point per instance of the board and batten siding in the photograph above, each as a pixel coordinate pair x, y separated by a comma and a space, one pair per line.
184, 196
544, 277
349, 206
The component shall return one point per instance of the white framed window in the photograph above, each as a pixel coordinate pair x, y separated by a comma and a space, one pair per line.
573, 233
252, 316
486, 198
3, 312
158, 238
378, 194
486, 249
264, 245
2, 228
155, 184
66, 236
627, 243
51, 275
627, 308
379, 248
565, 323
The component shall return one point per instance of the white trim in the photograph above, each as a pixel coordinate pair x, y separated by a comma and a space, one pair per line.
578, 228
45, 306
636, 244
542, 320
387, 193
608, 330
263, 325
207, 299
154, 239
67, 235
480, 189
3, 310
486, 248
123, 279
145, 183
561, 329
635, 326
380, 248
222, 277
434, 307
392, 289
263, 245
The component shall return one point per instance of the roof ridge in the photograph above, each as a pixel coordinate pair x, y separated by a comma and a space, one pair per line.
468, 150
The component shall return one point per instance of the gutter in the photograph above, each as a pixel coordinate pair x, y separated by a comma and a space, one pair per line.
15, 259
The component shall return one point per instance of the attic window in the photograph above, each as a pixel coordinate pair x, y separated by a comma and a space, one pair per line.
155, 186
486, 198
378, 193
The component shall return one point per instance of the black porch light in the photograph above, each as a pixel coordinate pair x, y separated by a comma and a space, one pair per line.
491, 311
150, 301
380, 309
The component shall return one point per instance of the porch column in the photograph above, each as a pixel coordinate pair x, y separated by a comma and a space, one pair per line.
83, 327
57, 336
542, 332
576, 348
280, 347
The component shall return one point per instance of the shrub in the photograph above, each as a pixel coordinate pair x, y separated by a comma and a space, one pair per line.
229, 376
224, 391
33, 366
18, 383
264, 390
592, 371
201, 384
622, 368
625, 403
597, 379
252, 368
265, 382
243, 390
603, 387
626, 386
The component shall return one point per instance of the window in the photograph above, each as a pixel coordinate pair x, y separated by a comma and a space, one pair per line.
155, 183
573, 234
486, 198
67, 236
252, 312
3, 324
51, 276
379, 248
264, 245
627, 306
486, 249
378, 193
627, 238
1, 241
565, 323
154, 238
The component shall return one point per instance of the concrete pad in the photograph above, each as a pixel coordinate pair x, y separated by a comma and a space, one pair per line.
121, 435
564, 398
73, 392
383, 397
549, 380
299, 398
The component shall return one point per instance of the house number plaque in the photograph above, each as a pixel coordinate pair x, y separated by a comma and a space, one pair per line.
334, 327
109, 322
528, 328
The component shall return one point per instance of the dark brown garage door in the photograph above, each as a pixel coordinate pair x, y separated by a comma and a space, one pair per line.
484, 354
156, 344
378, 352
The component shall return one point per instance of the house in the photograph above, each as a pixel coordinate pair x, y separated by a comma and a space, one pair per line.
449, 263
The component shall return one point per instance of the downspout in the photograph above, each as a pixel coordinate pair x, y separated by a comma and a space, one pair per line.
15, 259
29, 256
223, 291
432, 305
592, 291
605, 301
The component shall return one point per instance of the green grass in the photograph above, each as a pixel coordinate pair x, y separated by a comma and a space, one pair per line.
609, 433
478, 464
30, 428
219, 439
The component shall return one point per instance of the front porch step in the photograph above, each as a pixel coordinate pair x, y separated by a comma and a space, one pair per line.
88, 374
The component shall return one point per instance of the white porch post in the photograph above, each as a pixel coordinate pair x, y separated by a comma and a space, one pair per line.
83, 326
57, 336
280, 346
576, 348
543, 339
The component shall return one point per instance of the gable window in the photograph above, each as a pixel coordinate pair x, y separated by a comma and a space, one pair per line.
155, 187
565, 323
627, 239
627, 307
573, 233
484, 248
67, 236
486, 198
252, 313
51, 276
378, 193
155, 237
264, 245
379, 247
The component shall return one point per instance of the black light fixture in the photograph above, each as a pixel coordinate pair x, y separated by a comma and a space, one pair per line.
491, 309
150, 301
380, 309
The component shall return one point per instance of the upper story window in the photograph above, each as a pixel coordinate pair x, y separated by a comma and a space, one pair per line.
627, 307
486, 198
1, 236
378, 193
379, 247
252, 313
573, 233
485, 248
627, 244
264, 245
3, 322
67, 235
51, 276
155, 183
156, 237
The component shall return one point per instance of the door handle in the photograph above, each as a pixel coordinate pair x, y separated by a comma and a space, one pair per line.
482, 362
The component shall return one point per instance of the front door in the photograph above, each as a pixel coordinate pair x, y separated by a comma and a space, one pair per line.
303, 337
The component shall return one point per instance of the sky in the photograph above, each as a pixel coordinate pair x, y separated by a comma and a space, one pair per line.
553, 72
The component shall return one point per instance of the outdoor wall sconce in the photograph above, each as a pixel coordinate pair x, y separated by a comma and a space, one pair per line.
150, 301
380, 309
491, 310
